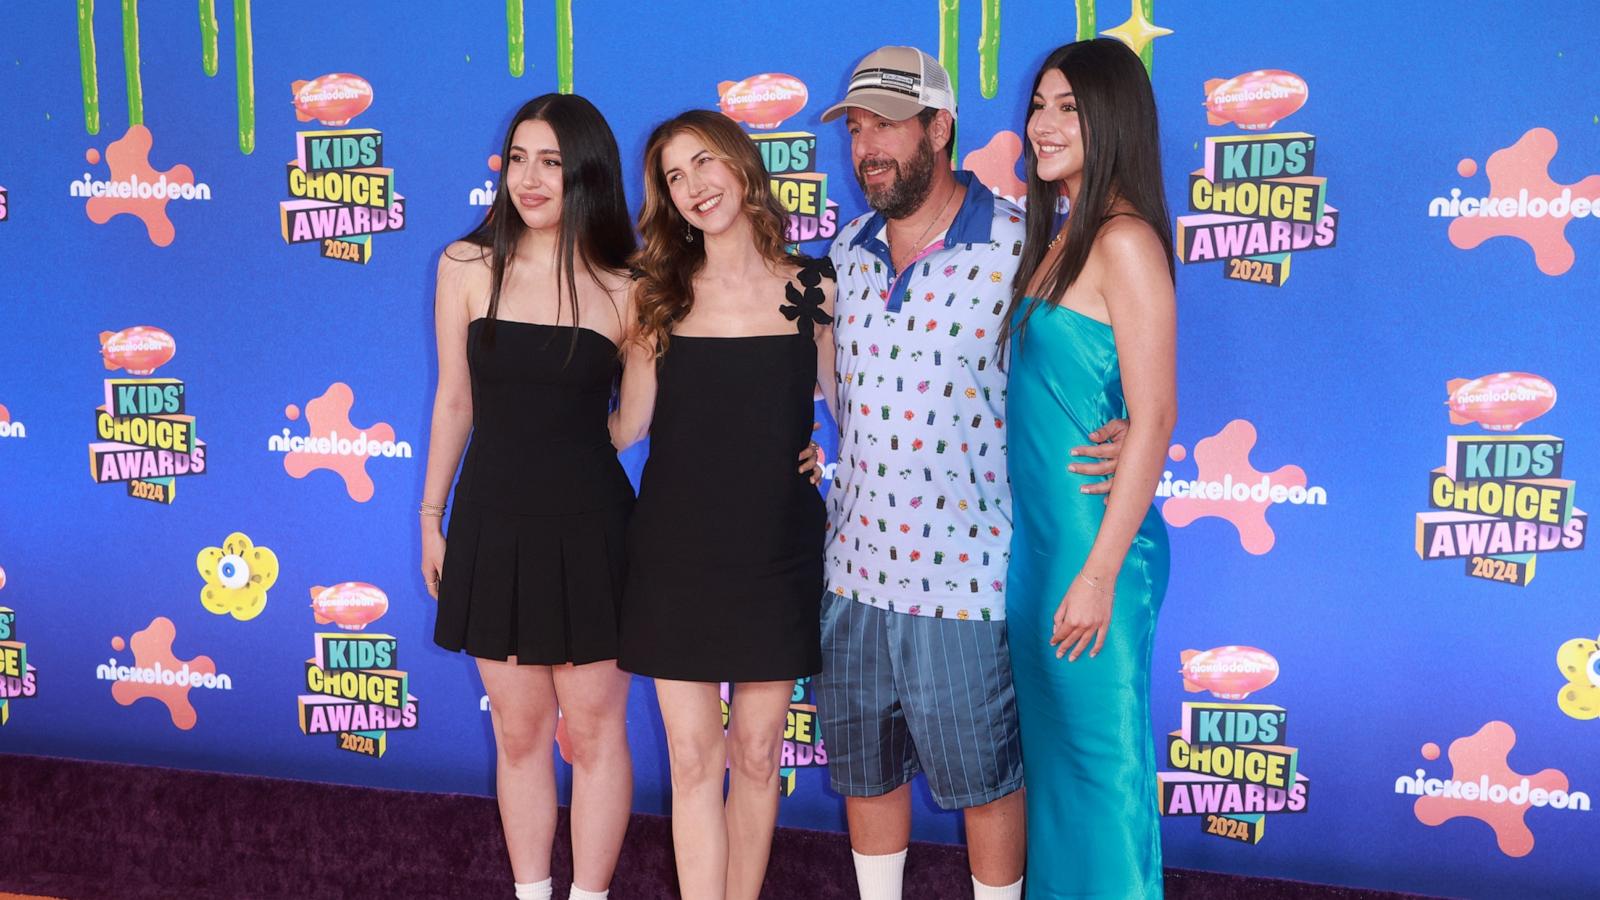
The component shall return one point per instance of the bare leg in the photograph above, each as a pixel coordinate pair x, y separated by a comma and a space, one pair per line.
755, 741
882, 824
698, 751
997, 839
594, 701
522, 707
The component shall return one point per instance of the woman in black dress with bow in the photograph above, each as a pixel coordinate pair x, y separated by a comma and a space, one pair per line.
725, 545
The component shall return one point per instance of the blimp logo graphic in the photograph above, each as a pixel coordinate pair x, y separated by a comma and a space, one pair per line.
351, 605
139, 350
1255, 101
762, 101
1504, 401
332, 99
1229, 673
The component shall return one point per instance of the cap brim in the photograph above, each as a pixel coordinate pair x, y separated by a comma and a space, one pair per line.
889, 105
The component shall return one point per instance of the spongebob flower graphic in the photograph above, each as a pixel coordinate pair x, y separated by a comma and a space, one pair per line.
1579, 661
238, 575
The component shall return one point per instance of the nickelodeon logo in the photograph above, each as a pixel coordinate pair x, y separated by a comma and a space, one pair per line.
135, 188
333, 443
9, 428
1523, 202
1228, 486
1483, 786
157, 674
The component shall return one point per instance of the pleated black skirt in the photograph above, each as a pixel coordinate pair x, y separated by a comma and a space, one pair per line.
543, 589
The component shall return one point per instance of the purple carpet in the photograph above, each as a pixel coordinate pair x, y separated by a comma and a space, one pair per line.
88, 830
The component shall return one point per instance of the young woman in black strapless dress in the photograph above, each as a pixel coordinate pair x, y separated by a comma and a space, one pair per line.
725, 546
530, 310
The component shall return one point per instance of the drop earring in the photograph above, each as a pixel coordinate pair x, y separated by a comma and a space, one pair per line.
688, 233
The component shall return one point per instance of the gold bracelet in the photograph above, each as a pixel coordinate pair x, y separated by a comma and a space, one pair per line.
435, 510
1091, 582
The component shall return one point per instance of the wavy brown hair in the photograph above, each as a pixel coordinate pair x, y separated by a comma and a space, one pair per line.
667, 262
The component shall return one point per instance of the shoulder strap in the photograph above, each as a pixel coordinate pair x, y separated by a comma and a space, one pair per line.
804, 308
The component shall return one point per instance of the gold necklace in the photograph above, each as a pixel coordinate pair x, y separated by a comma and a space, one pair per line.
931, 222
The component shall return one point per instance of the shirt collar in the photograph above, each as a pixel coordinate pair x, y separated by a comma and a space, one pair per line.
973, 224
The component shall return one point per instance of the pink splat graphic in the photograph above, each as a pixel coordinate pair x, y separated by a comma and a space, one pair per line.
328, 416
1484, 755
129, 158
995, 164
1524, 166
1224, 459
152, 647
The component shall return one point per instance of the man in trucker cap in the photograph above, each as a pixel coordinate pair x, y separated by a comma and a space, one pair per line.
916, 675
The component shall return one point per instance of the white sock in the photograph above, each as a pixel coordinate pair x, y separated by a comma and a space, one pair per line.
981, 891
879, 877
579, 893
534, 890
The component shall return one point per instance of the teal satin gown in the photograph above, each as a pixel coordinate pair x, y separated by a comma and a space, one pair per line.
1087, 749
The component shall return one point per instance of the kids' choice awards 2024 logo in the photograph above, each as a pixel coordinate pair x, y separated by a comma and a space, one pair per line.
18, 678
1500, 499
356, 690
342, 194
1257, 199
762, 103
146, 438
1232, 763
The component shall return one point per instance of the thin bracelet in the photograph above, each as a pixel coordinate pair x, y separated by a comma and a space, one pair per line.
435, 510
1091, 582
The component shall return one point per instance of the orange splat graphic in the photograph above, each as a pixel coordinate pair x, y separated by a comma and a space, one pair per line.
150, 647
1484, 755
1217, 457
995, 164
129, 158
5, 414
329, 416
1525, 166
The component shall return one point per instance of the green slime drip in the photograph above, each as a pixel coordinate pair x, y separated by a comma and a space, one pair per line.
130, 61
989, 50
245, 74
564, 46
208, 37
1149, 54
950, 52
87, 67
514, 38
1085, 20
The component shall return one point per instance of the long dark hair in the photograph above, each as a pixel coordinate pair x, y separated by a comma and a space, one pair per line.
1121, 161
595, 228
668, 262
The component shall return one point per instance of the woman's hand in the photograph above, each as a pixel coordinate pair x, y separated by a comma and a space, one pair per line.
812, 459
1083, 616
432, 557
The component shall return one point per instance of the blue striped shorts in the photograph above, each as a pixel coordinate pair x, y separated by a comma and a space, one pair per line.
899, 694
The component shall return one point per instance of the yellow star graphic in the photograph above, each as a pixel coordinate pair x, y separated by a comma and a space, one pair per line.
1138, 32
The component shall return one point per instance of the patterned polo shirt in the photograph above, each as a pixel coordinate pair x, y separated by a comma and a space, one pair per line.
919, 514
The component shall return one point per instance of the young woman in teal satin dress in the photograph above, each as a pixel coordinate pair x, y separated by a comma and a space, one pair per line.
1090, 338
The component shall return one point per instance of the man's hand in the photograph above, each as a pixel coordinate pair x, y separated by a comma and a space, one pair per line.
1107, 448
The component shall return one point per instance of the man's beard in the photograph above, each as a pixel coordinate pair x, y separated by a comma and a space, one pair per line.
911, 185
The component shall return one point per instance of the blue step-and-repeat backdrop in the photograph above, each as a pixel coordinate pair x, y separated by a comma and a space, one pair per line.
1377, 663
